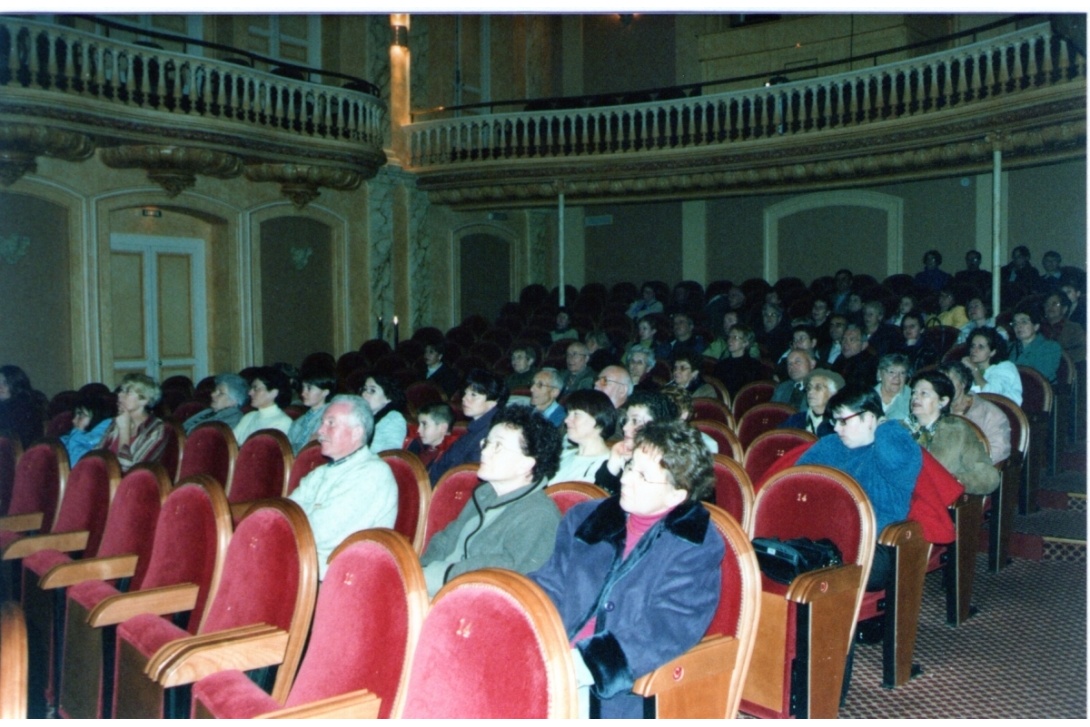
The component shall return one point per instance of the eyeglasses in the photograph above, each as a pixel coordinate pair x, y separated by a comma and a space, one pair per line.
604, 380
843, 421
495, 443
542, 385
629, 468
576, 354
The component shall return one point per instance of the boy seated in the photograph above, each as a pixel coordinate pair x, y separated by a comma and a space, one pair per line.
433, 432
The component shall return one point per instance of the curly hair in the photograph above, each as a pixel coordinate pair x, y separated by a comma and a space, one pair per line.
995, 342
145, 387
540, 439
683, 455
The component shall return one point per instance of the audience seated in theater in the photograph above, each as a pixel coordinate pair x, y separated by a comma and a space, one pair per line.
804, 338
792, 390
647, 303
387, 401
854, 313
1032, 349
948, 438
524, 363
445, 377
774, 333
830, 352
601, 351
857, 365
640, 361
580, 375
510, 522
616, 383
719, 348
893, 372
979, 311
317, 387
842, 291
687, 376
919, 351
986, 415
484, 395
433, 435
563, 328
591, 420
685, 339
738, 368
356, 490
270, 391
649, 334
636, 577
717, 304
819, 319
1051, 273
685, 413
136, 435
879, 336
228, 398
295, 384
544, 393
642, 407
687, 297
821, 385
972, 276
907, 304
91, 417
987, 362
932, 278
1018, 278
951, 307
1072, 285
20, 413
1057, 327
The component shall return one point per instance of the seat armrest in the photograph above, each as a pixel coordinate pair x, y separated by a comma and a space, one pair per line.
64, 542
22, 523
825, 583
245, 648
714, 654
157, 601
361, 704
89, 569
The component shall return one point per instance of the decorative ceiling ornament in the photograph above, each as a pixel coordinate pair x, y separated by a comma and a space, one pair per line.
300, 182
13, 248
174, 168
22, 144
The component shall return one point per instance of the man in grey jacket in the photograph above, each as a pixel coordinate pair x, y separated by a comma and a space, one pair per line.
509, 522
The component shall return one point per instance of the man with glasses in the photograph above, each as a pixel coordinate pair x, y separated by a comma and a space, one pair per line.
544, 393
580, 375
509, 522
616, 383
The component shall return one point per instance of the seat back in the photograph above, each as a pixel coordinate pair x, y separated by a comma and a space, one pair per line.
367, 621
210, 450
714, 410
451, 494
733, 489
309, 458
11, 449
91, 486
191, 538
269, 576
134, 515
59, 424
261, 467
484, 622
762, 418
186, 409
723, 435
40, 476
768, 447
566, 495
14, 657
1036, 391
422, 393
413, 494
175, 446
1016, 417
753, 393
719, 386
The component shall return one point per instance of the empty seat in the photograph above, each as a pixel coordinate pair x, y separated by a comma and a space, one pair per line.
769, 447
413, 494
210, 450
452, 492
761, 418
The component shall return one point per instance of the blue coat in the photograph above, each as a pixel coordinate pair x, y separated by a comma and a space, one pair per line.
650, 608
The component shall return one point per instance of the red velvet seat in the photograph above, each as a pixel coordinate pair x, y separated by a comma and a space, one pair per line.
769, 446
753, 393
811, 622
720, 390
261, 469
733, 489
191, 536
413, 494
1005, 499
1037, 403
714, 410
11, 449
171, 458
186, 409
723, 435
309, 458
210, 450
761, 418
485, 622
422, 393
452, 492
262, 600
367, 621
59, 424
566, 495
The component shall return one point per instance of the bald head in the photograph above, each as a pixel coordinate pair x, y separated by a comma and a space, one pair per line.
616, 383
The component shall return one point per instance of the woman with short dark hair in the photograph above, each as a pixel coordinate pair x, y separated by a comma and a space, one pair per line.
387, 401
485, 394
270, 392
590, 421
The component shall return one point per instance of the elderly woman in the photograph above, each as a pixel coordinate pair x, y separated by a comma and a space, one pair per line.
270, 391
640, 360
1070, 335
19, 412
387, 401
687, 376
647, 304
979, 312
642, 407
136, 435
590, 422
1032, 349
228, 398
948, 438
821, 386
986, 415
738, 367
893, 372
524, 358
992, 372
316, 390
91, 417
636, 577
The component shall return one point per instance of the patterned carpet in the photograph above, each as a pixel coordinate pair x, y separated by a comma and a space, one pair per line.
1022, 656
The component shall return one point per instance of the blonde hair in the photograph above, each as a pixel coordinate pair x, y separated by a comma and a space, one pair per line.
143, 386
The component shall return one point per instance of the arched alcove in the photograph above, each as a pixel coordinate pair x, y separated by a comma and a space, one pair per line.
483, 268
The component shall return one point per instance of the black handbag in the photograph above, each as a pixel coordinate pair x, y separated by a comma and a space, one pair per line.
783, 561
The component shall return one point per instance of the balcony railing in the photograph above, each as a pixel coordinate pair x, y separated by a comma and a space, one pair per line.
122, 76
957, 78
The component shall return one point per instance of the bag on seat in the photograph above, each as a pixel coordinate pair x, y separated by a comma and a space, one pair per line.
783, 561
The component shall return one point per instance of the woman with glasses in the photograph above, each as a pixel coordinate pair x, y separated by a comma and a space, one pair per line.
687, 376
992, 372
641, 408
636, 577
893, 371
591, 420
1030, 348
270, 391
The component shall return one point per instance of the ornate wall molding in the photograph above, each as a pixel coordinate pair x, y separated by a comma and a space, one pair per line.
174, 168
301, 182
22, 143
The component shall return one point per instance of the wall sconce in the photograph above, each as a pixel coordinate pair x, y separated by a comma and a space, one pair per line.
399, 25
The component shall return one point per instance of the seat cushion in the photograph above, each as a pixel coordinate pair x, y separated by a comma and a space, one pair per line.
232, 695
91, 593
148, 633
43, 561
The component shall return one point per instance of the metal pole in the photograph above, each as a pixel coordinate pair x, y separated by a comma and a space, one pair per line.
997, 169
560, 242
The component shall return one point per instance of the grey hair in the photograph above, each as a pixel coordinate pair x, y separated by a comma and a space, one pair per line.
895, 359
645, 350
555, 379
358, 410
237, 389
625, 377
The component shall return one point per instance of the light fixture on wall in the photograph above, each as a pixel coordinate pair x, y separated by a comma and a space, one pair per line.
399, 25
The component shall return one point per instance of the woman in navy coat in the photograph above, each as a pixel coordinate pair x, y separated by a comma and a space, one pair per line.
636, 577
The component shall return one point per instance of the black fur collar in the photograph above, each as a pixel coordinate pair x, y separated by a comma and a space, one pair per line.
688, 521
